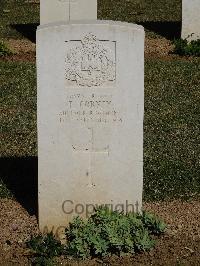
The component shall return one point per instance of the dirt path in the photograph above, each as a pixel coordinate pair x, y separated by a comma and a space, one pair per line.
179, 246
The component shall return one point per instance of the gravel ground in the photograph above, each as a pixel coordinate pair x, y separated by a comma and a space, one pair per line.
16, 228
180, 245
21, 46
157, 47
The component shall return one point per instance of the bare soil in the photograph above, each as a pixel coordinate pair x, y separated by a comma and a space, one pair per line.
180, 245
21, 57
21, 46
158, 47
22, 50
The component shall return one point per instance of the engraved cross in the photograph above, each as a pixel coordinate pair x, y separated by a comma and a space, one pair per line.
91, 150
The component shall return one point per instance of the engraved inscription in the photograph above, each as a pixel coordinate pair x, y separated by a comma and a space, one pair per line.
90, 62
89, 119
93, 108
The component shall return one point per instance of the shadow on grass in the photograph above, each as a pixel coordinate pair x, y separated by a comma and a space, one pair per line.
20, 176
27, 30
168, 29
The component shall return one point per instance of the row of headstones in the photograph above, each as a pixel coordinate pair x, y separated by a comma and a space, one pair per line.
65, 10
90, 79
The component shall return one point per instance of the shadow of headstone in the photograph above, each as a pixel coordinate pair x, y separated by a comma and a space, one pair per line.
168, 29
20, 176
27, 30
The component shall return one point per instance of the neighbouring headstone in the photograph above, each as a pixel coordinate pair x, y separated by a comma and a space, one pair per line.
65, 10
90, 119
191, 19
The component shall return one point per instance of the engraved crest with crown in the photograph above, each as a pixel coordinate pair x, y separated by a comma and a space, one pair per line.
90, 63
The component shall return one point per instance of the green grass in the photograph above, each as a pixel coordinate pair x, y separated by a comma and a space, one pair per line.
140, 10
172, 120
4, 50
4, 191
172, 111
22, 12
17, 109
14, 12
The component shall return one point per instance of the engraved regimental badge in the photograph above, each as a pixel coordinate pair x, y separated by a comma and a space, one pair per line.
90, 62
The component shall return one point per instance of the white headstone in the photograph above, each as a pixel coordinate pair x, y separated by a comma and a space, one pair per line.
90, 118
191, 19
65, 10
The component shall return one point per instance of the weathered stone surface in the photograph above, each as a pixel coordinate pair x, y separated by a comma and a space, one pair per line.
65, 10
191, 19
90, 118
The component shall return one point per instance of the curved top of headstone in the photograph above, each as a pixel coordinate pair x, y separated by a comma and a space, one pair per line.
92, 22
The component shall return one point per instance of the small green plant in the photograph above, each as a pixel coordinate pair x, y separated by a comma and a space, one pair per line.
107, 232
154, 225
184, 47
4, 50
45, 248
